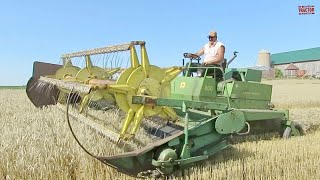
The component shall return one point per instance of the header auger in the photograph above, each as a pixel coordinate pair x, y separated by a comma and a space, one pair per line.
200, 113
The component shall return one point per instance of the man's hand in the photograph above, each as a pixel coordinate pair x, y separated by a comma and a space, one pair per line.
194, 56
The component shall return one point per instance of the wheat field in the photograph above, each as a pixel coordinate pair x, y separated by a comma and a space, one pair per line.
37, 144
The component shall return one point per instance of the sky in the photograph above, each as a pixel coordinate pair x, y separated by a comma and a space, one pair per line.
44, 30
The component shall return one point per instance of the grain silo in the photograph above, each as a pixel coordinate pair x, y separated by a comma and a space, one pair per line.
264, 62
264, 58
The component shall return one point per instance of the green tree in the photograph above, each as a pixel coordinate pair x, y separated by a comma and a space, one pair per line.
278, 73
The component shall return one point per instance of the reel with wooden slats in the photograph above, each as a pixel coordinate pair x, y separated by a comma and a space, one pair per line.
106, 86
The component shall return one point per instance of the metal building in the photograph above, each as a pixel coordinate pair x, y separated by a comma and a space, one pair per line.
306, 60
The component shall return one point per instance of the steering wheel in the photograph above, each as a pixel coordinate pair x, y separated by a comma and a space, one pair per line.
191, 56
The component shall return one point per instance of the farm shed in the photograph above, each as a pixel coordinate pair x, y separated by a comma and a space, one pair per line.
306, 60
291, 70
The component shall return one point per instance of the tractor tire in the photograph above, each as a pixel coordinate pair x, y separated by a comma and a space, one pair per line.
289, 132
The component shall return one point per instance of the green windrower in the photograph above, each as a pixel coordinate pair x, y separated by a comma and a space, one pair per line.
202, 113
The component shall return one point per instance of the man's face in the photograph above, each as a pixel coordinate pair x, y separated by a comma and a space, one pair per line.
212, 38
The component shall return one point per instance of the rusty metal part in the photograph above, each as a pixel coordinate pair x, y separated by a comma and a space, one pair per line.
44, 69
42, 96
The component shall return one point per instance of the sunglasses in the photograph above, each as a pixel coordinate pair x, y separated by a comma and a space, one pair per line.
211, 37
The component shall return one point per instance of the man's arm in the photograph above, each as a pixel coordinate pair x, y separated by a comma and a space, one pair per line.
200, 52
219, 57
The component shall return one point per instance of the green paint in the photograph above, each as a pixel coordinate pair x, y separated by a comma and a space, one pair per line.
296, 56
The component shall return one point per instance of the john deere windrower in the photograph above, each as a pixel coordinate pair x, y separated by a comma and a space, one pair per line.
200, 113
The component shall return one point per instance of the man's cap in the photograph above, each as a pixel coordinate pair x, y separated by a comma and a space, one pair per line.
213, 33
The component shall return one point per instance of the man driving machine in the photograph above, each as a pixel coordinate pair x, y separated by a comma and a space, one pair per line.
213, 52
